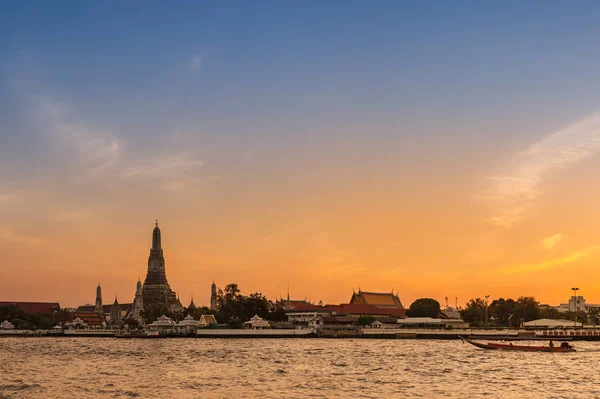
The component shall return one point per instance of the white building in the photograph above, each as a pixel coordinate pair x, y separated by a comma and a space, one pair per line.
576, 303
256, 323
7, 325
551, 323
163, 323
188, 324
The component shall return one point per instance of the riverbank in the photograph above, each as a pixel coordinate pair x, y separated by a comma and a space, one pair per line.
584, 334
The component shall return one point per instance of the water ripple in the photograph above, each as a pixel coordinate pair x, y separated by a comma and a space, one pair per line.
213, 368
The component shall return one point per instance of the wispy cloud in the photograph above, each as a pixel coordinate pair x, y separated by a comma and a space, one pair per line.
72, 215
96, 149
164, 167
551, 241
570, 258
515, 193
196, 63
8, 234
101, 153
173, 172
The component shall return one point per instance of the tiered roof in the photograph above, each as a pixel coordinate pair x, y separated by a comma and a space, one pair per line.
381, 299
35, 307
91, 318
207, 319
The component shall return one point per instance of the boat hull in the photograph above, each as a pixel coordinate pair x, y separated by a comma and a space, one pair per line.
521, 348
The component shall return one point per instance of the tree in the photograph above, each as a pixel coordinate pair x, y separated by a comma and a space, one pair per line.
232, 304
277, 315
501, 311
424, 307
474, 311
594, 316
549, 312
526, 309
132, 323
234, 322
155, 311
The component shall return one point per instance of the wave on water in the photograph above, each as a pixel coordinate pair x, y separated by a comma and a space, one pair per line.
275, 369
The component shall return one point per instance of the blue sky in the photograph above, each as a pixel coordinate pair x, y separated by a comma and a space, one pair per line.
280, 131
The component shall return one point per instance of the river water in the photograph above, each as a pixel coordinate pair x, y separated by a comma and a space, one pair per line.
288, 368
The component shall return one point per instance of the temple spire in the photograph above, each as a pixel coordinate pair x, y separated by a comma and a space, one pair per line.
156, 244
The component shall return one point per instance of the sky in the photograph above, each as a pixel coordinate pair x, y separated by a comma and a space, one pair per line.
436, 149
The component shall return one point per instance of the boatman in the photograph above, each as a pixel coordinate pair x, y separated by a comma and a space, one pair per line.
551, 344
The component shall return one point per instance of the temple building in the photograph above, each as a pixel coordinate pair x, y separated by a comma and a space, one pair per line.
138, 304
98, 307
156, 288
116, 318
213, 296
99, 314
192, 306
379, 299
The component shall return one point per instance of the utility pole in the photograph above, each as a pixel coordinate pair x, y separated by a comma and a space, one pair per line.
486, 308
575, 289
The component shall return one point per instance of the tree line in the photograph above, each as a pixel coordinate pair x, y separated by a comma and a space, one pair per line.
29, 321
233, 308
512, 313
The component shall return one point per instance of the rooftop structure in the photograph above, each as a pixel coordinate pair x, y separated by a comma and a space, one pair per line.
6, 325
213, 296
91, 318
551, 323
206, 320
288, 304
257, 323
138, 304
98, 307
381, 299
163, 323
34, 307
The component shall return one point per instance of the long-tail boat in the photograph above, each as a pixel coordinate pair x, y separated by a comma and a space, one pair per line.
565, 347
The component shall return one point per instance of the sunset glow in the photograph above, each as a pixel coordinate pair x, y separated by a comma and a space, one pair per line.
275, 153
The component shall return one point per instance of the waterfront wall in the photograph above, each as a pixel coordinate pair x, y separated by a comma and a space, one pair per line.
246, 333
585, 334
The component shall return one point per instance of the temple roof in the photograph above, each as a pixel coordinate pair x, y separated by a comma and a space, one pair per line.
91, 318
208, 319
383, 299
34, 307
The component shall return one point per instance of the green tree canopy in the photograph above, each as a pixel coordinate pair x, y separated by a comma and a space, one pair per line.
501, 311
232, 305
474, 311
424, 307
155, 311
526, 309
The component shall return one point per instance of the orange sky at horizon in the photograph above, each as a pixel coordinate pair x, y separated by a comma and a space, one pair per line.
365, 234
